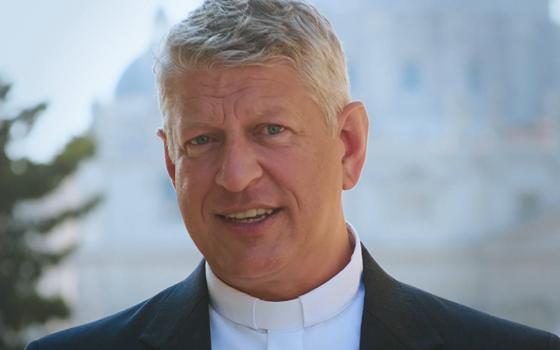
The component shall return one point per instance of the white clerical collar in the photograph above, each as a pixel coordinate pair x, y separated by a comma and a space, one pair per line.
318, 305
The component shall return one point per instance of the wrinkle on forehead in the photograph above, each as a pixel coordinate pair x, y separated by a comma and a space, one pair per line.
220, 82
212, 97
203, 109
240, 104
212, 110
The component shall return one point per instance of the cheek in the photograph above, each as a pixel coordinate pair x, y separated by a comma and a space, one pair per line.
303, 172
321, 175
285, 165
193, 182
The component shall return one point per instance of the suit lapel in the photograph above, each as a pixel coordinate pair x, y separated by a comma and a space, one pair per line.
391, 318
182, 320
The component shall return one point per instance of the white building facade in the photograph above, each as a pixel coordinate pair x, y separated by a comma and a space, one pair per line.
462, 169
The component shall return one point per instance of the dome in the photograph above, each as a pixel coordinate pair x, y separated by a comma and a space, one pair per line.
138, 78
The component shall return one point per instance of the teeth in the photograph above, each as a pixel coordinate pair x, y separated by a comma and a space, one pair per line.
249, 214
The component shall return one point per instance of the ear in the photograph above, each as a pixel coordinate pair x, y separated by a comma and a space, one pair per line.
169, 164
353, 132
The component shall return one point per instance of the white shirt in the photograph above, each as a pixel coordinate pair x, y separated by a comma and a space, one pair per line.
328, 317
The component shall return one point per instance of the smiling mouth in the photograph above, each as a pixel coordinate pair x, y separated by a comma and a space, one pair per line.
250, 216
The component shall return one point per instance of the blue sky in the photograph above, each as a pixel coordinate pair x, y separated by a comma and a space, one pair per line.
70, 53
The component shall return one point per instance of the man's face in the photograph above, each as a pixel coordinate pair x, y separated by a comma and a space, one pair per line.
258, 177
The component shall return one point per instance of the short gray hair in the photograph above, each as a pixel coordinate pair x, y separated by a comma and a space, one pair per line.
234, 33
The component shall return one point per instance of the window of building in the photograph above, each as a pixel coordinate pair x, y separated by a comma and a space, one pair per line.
474, 77
169, 200
411, 77
528, 205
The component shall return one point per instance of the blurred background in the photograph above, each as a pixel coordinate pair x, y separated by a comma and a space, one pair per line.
460, 194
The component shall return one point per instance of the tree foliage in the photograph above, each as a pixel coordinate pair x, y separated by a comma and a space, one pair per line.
22, 259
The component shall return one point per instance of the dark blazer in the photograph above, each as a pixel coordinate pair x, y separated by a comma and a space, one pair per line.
396, 316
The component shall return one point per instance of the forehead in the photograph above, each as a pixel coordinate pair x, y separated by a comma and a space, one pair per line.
260, 84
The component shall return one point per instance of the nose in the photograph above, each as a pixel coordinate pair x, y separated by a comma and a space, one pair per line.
239, 166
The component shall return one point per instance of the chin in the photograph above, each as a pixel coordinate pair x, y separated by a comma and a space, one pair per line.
251, 269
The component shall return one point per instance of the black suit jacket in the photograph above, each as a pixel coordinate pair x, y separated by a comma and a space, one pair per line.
396, 316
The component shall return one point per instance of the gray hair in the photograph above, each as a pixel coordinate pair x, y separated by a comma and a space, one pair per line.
234, 33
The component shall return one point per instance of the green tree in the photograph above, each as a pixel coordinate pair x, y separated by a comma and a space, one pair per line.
22, 257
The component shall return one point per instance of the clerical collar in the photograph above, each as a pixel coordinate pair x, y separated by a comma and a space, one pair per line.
318, 305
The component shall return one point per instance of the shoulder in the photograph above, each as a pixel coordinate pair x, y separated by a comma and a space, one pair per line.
119, 331
115, 329
460, 325
408, 315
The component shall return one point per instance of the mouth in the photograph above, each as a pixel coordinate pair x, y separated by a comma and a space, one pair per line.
250, 216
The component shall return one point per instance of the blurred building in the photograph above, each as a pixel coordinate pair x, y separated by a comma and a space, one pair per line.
462, 142
135, 244
460, 193
464, 151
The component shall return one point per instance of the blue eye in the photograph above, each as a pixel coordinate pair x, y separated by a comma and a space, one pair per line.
200, 140
273, 129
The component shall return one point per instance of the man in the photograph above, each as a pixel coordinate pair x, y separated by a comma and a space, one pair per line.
260, 139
